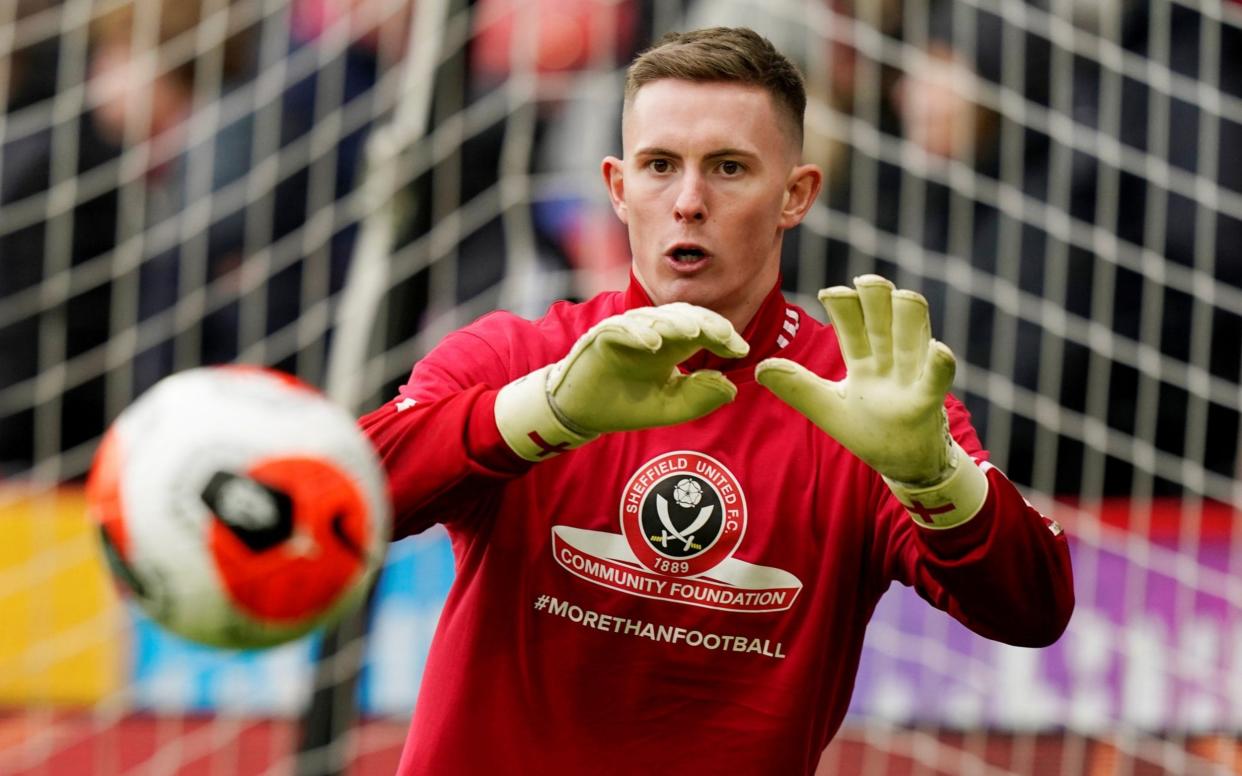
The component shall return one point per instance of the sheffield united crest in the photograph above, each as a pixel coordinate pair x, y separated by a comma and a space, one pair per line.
682, 513
683, 516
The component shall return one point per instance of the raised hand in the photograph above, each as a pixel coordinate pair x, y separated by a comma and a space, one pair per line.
621, 375
889, 408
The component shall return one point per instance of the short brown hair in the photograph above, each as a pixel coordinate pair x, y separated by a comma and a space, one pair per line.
730, 54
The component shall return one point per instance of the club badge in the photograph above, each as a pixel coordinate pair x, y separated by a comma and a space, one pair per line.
683, 515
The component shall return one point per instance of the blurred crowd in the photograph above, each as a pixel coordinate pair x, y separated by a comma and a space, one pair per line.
197, 205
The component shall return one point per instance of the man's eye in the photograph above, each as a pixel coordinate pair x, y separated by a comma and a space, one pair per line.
730, 167
660, 165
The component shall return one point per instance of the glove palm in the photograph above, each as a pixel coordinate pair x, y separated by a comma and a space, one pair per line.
889, 408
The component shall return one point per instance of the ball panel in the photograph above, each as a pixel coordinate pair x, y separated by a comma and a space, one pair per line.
322, 555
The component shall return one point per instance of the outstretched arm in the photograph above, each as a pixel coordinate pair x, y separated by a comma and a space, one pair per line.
463, 426
972, 546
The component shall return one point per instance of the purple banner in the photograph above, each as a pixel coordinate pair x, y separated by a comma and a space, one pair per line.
1155, 643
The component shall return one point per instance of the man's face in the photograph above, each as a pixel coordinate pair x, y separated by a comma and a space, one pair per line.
708, 186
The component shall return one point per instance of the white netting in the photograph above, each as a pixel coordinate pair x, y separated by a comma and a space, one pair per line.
186, 183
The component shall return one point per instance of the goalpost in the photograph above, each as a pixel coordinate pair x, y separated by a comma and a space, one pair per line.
330, 186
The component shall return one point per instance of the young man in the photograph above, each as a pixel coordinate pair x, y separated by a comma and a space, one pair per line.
670, 535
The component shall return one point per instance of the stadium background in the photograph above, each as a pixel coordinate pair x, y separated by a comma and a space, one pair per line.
310, 185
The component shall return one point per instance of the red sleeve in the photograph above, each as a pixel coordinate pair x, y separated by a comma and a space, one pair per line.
1005, 573
438, 440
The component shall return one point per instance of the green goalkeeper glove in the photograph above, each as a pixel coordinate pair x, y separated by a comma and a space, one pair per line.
619, 376
889, 408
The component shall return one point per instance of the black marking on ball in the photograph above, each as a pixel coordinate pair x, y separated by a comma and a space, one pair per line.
257, 514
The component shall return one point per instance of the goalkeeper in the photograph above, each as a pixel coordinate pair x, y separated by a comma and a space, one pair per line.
674, 508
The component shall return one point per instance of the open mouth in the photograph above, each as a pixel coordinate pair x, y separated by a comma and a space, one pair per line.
687, 255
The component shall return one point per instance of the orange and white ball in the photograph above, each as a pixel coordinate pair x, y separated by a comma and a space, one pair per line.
240, 506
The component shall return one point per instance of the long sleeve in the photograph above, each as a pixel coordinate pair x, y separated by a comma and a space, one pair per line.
445, 459
1005, 573
438, 440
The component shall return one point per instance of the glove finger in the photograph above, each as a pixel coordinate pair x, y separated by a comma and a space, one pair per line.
715, 332
678, 332
819, 400
842, 305
940, 369
671, 317
621, 334
692, 328
875, 295
691, 396
911, 335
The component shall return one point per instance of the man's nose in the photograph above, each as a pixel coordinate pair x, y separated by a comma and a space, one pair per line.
691, 205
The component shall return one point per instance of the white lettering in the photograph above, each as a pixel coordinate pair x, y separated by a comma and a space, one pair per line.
670, 634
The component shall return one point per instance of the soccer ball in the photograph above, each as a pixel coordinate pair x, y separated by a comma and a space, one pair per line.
240, 506
687, 493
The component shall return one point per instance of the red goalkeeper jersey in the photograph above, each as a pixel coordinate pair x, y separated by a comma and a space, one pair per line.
689, 599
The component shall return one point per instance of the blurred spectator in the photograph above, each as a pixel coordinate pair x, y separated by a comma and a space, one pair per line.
583, 42
499, 261
378, 28
938, 114
35, 336
935, 106
576, 46
550, 36
172, 134
154, 102
144, 93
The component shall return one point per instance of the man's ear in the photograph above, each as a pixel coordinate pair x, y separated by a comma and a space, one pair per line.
614, 178
801, 189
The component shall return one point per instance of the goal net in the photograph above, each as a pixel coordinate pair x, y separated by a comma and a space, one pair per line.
330, 186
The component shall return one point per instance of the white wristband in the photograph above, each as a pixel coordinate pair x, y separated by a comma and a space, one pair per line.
950, 502
529, 424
